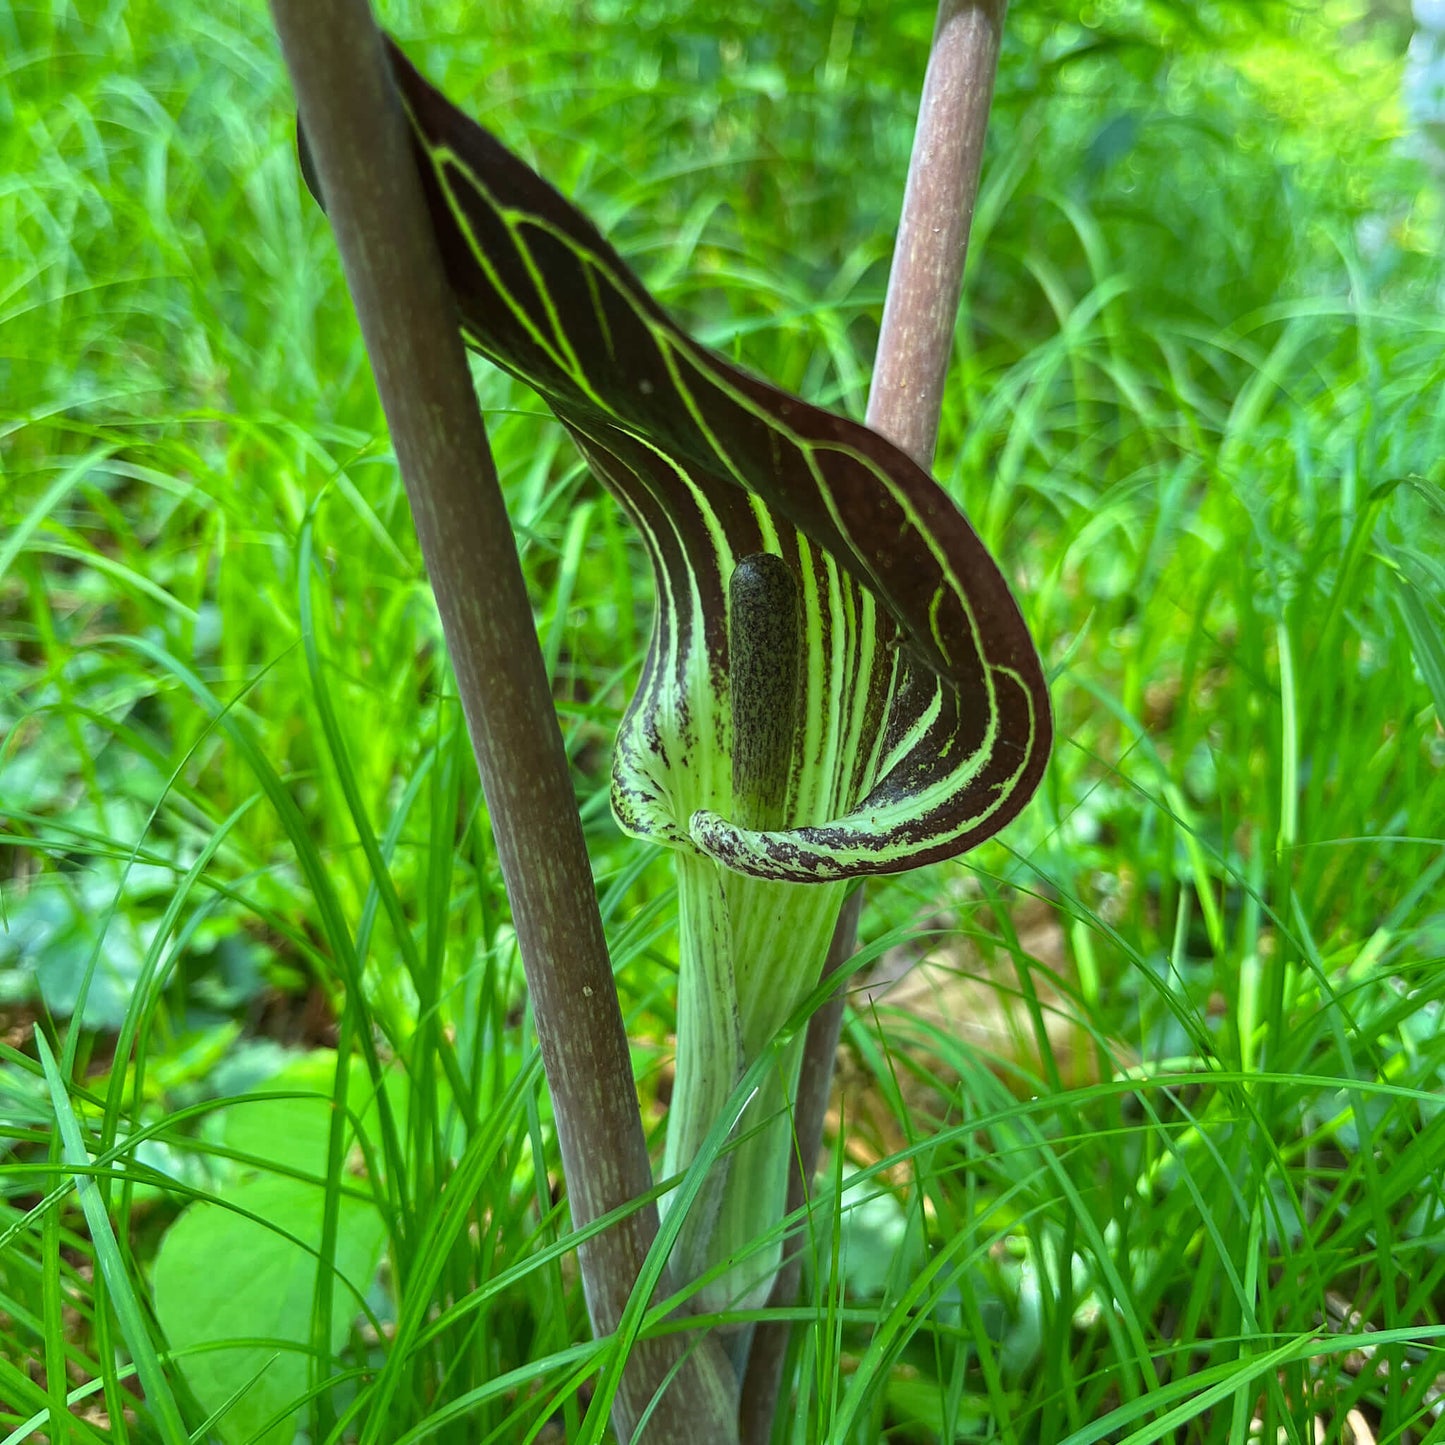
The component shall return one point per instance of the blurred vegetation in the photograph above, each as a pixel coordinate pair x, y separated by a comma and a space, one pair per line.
1162, 1127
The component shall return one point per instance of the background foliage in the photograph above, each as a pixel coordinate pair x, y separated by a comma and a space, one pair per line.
1157, 1124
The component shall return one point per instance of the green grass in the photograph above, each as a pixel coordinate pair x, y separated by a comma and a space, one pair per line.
1196, 410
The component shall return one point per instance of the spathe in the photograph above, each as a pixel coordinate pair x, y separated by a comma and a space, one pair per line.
921, 720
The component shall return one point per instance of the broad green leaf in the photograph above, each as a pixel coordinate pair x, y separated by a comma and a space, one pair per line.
221, 1276
294, 1132
920, 721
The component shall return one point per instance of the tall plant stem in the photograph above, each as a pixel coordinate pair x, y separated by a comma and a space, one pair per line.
920, 311
904, 403
363, 160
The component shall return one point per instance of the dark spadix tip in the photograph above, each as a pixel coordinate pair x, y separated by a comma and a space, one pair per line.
764, 655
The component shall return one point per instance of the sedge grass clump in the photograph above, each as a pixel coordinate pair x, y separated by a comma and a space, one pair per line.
1175, 408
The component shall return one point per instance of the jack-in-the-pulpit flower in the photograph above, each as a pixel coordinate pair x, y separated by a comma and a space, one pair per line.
839, 682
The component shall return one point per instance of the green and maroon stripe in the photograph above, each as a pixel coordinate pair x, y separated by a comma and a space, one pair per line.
923, 718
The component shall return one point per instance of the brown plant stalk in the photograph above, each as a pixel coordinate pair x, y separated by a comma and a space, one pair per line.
363, 159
